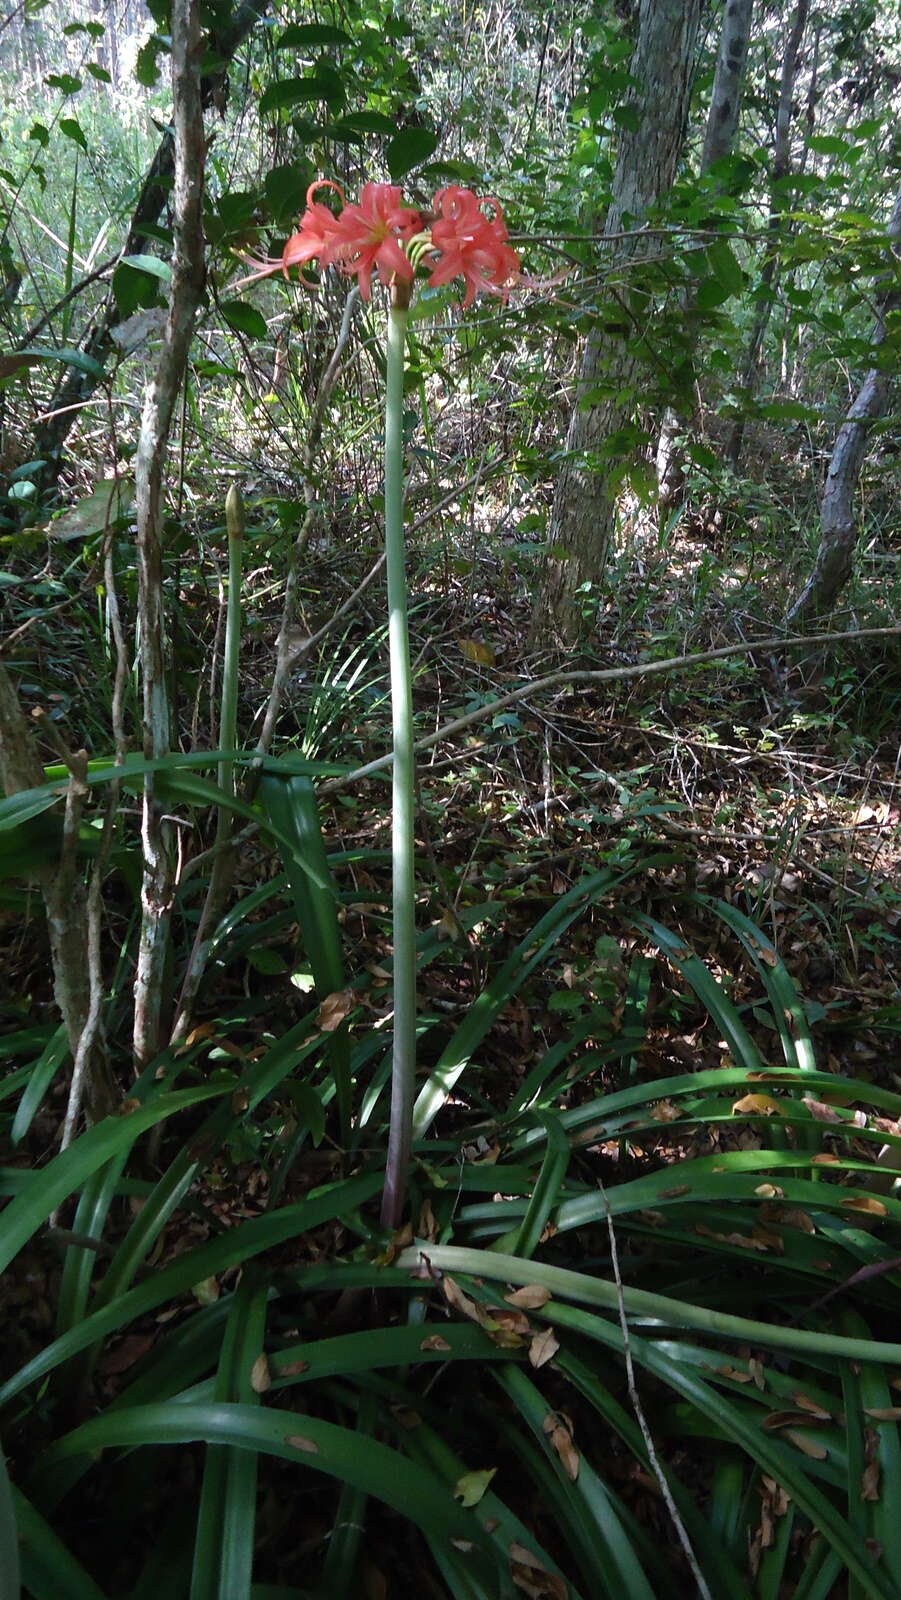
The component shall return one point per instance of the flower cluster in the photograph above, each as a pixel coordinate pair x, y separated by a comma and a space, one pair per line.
381, 234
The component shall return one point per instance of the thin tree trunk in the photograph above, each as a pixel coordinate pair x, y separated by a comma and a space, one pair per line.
780, 168
719, 135
584, 504
158, 884
76, 386
838, 522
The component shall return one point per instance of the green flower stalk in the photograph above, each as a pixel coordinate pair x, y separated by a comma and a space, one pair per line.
379, 234
403, 1069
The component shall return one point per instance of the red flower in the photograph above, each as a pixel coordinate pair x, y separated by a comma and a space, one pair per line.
317, 227
373, 234
470, 245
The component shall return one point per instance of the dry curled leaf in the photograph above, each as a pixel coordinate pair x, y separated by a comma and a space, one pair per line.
820, 1111
534, 1580
558, 1430
761, 1105
665, 1111
866, 1203
434, 1341
260, 1376
869, 1483
461, 1302
529, 1297
813, 1406
334, 1009
544, 1347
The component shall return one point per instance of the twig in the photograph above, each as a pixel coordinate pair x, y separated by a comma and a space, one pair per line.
85, 1051
646, 1434
188, 272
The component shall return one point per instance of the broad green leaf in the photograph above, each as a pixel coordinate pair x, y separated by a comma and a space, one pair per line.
109, 501
409, 148
244, 318
301, 34
299, 91
69, 358
73, 130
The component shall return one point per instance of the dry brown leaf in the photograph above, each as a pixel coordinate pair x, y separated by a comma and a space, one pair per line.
543, 1347
334, 1009
260, 1376
866, 1203
538, 1586
825, 1158
884, 1413
756, 1104
435, 1341
869, 1483
529, 1297
461, 1302
511, 1319
820, 1111
664, 1111
428, 1227
561, 1441
766, 1239
813, 1406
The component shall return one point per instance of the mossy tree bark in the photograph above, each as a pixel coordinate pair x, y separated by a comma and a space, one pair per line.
609, 384
838, 519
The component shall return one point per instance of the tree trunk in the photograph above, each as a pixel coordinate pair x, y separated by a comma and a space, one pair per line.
781, 166
722, 123
838, 523
584, 502
158, 886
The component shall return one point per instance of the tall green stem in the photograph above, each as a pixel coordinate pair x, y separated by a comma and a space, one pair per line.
403, 885
228, 718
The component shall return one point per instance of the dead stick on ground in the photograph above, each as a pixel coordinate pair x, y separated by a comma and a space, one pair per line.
651, 1448
642, 669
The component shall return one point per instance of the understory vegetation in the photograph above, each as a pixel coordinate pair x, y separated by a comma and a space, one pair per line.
450, 1099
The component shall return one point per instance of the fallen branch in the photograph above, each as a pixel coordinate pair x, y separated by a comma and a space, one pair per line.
642, 669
